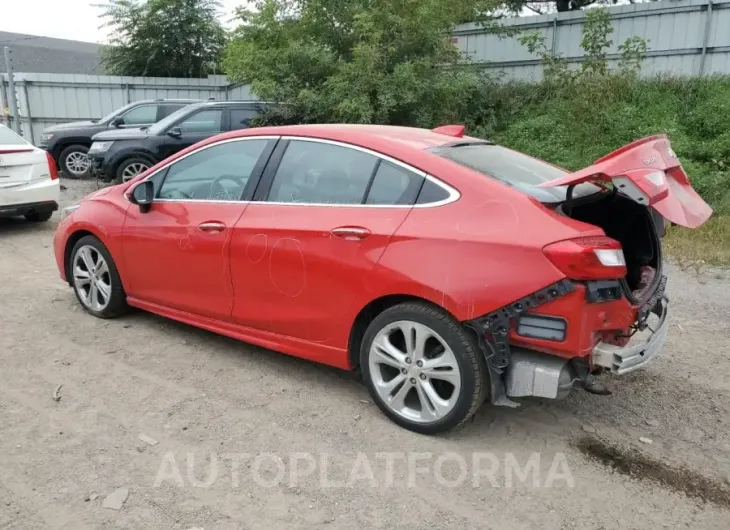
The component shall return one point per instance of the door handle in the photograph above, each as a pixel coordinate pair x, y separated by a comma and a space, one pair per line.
211, 226
351, 233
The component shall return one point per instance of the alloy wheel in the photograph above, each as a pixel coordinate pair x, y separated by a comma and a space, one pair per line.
91, 278
77, 163
414, 371
132, 170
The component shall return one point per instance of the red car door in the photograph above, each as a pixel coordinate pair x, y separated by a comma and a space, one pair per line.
176, 254
300, 257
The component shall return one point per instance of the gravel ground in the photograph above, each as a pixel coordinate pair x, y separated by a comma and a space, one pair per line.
241, 437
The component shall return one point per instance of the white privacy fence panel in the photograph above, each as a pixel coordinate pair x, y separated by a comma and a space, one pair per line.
687, 37
51, 99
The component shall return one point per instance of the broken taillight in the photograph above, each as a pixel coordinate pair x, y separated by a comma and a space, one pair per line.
588, 258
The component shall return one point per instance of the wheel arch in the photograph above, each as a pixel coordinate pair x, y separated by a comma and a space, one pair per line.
70, 243
368, 313
124, 157
63, 143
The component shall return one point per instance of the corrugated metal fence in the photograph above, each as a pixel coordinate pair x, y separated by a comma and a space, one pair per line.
688, 37
50, 99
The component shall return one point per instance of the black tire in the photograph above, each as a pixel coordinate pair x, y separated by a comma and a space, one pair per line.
119, 176
118, 300
38, 216
474, 378
62, 161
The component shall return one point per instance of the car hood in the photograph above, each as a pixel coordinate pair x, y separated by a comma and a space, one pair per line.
71, 125
121, 134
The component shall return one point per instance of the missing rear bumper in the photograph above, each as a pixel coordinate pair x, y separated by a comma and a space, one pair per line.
492, 332
624, 359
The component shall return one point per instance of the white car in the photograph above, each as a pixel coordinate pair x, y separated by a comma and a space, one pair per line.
29, 183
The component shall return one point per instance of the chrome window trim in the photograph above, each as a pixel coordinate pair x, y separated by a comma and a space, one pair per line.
454, 194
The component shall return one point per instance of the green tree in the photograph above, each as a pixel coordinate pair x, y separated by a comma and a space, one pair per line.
165, 38
361, 61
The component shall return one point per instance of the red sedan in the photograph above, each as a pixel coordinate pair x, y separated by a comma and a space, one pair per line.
446, 269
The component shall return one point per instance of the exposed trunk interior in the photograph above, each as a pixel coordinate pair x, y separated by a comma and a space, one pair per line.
633, 225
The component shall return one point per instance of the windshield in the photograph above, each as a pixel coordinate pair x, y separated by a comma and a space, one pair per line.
162, 125
8, 137
512, 168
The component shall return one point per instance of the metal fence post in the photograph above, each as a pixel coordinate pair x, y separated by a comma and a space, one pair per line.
4, 97
27, 112
11, 92
129, 96
555, 36
706, 37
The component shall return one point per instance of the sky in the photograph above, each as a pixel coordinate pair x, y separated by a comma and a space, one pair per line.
66, 19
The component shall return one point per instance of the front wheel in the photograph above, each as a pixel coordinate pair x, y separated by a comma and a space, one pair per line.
74, 161
422, 369
130, 168
95, 279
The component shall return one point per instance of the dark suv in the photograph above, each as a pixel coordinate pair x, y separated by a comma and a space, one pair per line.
68, 143
122, 155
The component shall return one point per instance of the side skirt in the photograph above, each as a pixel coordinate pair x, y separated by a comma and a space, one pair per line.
316, 352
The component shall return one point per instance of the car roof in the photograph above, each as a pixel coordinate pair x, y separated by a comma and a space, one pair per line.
232, 102
169, 100
360, 134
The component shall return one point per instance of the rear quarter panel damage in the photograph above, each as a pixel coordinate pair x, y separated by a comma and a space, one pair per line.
477, 254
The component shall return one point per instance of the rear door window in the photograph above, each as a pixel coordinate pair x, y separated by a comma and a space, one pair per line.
167, 109
241, 118
322, 173
204, 121
142, 115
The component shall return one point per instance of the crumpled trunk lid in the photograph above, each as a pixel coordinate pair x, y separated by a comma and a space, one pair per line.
648, 172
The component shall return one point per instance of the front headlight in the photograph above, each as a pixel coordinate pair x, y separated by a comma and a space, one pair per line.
68, 210
47, 137
100, 147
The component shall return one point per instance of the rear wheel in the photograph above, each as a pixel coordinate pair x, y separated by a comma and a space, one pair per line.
39, 216
130, 168
422, 369
95, 279
74, 161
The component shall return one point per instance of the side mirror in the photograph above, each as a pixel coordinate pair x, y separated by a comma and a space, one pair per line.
142, 195
175, 132
118, 121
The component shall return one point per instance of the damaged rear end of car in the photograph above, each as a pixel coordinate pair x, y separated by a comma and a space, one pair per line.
609, 314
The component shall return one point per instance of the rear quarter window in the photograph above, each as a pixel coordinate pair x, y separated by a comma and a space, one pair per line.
393, 185
431, 192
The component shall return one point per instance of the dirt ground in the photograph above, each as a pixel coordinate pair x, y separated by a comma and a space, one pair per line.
248, 438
